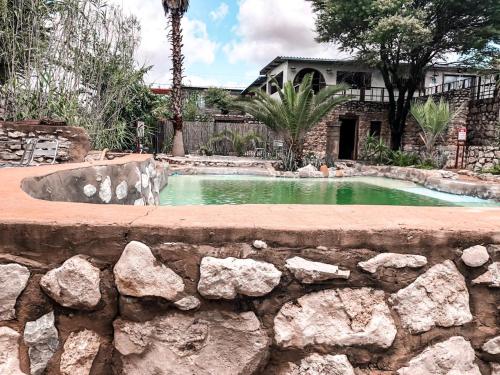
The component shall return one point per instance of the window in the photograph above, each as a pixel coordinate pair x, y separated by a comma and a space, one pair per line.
272, 88
318, 81
375, 128
455, 81
357, 80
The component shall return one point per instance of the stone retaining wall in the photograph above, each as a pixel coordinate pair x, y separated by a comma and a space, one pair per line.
133, 183
480, 158
74, 143
237, 309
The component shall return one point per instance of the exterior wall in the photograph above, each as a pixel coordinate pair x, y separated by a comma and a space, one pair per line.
482, 157
483, 122
74, 143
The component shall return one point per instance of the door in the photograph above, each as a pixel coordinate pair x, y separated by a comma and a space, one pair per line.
347, 146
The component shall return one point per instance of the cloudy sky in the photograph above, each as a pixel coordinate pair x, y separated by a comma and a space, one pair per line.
227, 42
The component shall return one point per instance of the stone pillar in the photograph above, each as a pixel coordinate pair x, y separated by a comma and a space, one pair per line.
332, 140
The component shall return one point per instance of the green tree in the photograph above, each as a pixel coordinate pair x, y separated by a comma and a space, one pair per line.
403, 37
295, 112
218, 98
176, 10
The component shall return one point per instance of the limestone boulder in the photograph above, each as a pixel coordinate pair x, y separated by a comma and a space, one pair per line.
309, 272
439, 298
9, 352
490, 277
492, 346
226, 278
316, 364
75, 284
393, 260
42, 339
452, 357
80, 350
260, 245
188, 303
139, 274
309, 171
342, 317
475, 256
13, 280
205, 343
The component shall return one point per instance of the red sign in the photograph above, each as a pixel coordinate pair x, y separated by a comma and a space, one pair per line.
462, 134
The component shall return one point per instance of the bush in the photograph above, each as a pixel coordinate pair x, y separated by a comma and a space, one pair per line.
403, 159
375, 151
495, 170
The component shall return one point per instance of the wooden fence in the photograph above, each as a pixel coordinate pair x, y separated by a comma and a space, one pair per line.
197, 134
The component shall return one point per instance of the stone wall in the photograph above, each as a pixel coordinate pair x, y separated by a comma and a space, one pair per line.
480, 158
237, 309
483, 123
74, 143
133, 183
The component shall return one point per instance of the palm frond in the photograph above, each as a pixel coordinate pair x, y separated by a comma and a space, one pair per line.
175, 5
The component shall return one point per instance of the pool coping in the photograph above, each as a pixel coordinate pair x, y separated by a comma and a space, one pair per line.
29, 225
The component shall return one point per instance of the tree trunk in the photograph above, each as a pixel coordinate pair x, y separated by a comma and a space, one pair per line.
177, 60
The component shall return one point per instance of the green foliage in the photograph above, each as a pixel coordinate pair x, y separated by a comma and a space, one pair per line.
403, 159
375, 150
295, 112
239, 143
494, 170
218, 98
433, 119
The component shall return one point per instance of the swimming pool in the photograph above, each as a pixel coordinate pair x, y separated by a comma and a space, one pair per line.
234, 190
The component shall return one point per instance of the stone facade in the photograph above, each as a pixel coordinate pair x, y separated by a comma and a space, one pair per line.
74, 143
386, 322
132, 183
480, 158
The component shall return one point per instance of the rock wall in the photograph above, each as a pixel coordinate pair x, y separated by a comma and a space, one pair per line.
480, 158
74, 143
483, 122
133, 183
237, 309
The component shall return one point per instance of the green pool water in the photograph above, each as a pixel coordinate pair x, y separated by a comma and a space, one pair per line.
217, 190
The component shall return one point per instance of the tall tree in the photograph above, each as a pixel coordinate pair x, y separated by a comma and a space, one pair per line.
176, 10
404, 37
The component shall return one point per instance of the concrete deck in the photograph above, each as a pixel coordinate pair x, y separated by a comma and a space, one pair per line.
28, 225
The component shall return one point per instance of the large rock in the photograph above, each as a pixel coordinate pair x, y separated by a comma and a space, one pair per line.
316, 364
393, 260
342, 317
139, 274
75, 284
9, 352
309, 171
490, 277
205, 343
475, 256
495, 368
492, 346
42, 339
80, 350
454, 356
439, 297
309, 272
226, 278
13, 280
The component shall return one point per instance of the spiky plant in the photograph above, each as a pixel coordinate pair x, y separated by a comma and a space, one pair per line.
239, 142
176, 9
295, 112
433, 118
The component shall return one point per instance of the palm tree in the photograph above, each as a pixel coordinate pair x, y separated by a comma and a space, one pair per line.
176, 9
295, 112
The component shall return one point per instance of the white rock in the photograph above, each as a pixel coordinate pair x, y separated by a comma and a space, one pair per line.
490, 277
492, 346
42, 339
226, 278
9, 352
188, 303
454, 356
105, 192
89, 190
342, 317
495, 368
475, 256
139, 274
316, 364
13, 280
75, 284
309, 272
258, 244
439, 297
80, 350
139, 202
393, 260
121, 190
309, 171
144, 180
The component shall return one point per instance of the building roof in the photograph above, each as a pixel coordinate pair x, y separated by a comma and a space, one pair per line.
258, 82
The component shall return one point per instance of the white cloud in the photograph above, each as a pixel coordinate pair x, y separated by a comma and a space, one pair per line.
267, 29
155, 47
220, 13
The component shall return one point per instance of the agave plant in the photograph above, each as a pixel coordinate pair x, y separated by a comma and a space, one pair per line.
433, 118
295, 112
239, 142
176, 10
